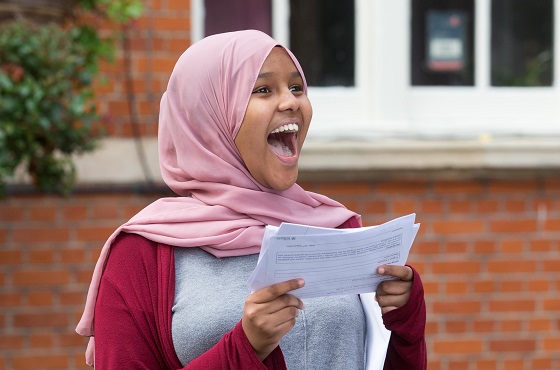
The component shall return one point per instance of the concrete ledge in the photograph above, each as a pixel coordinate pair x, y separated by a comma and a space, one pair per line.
118, 160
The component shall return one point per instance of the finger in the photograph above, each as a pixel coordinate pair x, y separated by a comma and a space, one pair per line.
274, 291
392, 300
286, 300
394, 287
402, 272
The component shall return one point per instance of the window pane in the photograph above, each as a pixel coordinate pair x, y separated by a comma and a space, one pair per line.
235, 15
522, 42
322, 38
442, 42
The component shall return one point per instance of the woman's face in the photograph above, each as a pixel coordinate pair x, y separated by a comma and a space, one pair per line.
275, 123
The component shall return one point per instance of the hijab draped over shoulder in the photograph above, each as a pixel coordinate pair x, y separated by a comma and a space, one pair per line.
221, 208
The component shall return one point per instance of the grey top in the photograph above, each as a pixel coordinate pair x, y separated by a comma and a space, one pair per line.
209, 296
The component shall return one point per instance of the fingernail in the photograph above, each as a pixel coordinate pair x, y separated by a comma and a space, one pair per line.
301, 282
381, 271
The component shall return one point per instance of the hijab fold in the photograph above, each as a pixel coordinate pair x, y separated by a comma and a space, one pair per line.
221, 208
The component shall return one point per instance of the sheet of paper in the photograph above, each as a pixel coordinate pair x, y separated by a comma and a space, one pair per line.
332, 261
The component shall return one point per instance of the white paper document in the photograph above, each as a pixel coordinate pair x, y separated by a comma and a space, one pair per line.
332, 261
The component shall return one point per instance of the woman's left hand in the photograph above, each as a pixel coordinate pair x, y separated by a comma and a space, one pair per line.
392, 294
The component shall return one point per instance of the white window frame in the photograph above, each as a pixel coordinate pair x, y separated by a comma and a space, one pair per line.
383, 102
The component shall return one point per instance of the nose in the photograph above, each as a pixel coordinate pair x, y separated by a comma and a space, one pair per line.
288, 101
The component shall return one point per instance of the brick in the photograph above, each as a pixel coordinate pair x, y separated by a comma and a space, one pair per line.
552, 344
11, 342
40, 235
539, 285
456, 326
511, 246
401, 187
42, 213
540, 325
458, 227
94, 233
42, 320
458, 346
431, 206
456, 307
484, 286
484, 326
38, 257
507, 186
513, 226
486, 206
459, 206
458, 187
484, 246
515, 365
552, 304
404, 207
10, 299
53, 277
54, 361
540, 245
426, 247
551, 265
375, 206
172, 23
511, 305
72, 256
518, 345
11, 214
41, 341
40, 298
510, 326
541, 364
71, 340
511, 266
456, 287
459, 365
455, 247
552, 225
486, 365
510, 286
74, 212
10, 257
465, 267
72, 298
515, 206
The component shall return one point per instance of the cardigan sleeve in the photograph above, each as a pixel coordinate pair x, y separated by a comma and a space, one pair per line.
133, 316
407, 347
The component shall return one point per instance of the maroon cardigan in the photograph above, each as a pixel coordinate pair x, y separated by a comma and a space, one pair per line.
133, 318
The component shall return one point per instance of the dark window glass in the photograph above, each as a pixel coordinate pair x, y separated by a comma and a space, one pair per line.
322, 38
234, 15
522, 48
442, 42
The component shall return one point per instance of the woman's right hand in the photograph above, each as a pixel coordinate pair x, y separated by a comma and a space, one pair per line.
270, 313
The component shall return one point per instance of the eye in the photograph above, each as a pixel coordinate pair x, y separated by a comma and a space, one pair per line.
261, 90
296, 88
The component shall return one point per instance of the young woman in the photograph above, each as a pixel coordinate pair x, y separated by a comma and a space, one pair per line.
169, 288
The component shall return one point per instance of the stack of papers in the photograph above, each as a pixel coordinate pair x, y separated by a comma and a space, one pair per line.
332, 261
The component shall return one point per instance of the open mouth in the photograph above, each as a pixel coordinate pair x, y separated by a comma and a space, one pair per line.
283, 140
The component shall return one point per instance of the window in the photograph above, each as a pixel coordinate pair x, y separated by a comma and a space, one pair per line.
522, 47
423, 68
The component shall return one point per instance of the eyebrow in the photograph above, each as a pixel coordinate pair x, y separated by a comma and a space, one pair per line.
270, 74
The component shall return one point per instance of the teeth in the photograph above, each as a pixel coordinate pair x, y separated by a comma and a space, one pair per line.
292, 127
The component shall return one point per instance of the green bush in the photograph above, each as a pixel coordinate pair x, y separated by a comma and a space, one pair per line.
47, 110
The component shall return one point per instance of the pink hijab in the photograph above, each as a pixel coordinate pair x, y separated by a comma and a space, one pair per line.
221, 207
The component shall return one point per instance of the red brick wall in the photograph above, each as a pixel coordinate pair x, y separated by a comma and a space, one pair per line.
156, 41
488, 252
